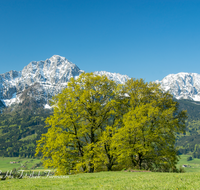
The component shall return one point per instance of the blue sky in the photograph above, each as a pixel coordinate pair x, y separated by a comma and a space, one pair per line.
146, 39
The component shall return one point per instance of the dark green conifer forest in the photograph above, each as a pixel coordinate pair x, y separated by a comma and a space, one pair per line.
189, 142
20, 126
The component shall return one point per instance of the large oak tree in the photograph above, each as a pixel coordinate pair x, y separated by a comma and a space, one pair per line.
85, 116
147, 138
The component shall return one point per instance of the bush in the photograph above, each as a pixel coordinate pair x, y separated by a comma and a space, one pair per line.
181, 170
189, 158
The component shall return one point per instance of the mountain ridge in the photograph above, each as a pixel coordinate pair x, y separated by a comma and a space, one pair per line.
53, 74
182, 85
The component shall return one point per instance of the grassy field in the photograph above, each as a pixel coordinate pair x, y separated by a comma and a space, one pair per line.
106, 180
195, 164
29, 162
109, 180
5, 163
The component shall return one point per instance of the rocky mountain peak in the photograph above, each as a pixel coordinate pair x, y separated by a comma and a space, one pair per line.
52, 75
57, 58
44, 79
120, 79
182, 85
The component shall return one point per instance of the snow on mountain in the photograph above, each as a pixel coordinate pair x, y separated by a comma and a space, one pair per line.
120, 79
52, 75
43, 79
182, 85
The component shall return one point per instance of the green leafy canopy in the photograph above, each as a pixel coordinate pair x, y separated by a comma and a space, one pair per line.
100, 125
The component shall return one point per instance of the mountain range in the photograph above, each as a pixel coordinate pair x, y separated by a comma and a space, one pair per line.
32, 88
182, 85
44, 79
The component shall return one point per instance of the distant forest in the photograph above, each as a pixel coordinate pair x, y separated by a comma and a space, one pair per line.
189, 143
20, 127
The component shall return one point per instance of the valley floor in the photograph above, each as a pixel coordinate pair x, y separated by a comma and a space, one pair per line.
105, 180
109, 180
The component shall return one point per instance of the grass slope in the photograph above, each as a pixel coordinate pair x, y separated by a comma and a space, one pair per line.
109, 180
195, 164
5, 164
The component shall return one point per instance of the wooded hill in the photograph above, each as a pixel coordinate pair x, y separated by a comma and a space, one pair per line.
190, 141
21, 125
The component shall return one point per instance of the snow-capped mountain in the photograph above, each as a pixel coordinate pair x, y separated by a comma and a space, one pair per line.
120, 79
52, 75
182, 85
44, 79
47, 77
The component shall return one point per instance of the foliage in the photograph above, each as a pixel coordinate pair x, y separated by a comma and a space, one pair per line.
189, 158
147, 138
83, 121
98, 124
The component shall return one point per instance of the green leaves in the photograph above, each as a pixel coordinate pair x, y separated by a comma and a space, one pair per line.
147, 138
100, 125
81, 113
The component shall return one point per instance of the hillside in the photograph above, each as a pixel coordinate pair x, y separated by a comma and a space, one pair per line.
192, 107
190, 141
20, 126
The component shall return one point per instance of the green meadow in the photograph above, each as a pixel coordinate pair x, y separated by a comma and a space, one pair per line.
194, 165
109, 180
104, 180
9, 163
28, 163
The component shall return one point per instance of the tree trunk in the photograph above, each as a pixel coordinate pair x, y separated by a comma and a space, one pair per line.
140, 161
91, 168
109, 166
